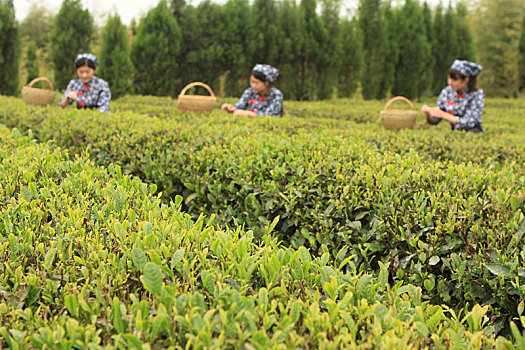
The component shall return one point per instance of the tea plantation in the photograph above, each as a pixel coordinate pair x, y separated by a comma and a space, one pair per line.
147, 228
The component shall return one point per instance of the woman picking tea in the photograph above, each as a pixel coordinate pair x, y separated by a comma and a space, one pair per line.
261, 98
88, 90
461, 102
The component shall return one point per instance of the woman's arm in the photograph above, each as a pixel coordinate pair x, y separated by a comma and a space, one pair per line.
436, 112
103, 98
69, 95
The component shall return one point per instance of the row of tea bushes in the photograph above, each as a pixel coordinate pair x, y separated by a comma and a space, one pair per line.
91, 258
452, 228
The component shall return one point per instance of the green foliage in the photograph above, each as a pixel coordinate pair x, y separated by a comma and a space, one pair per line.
31, 62
374, 41
37, 25
154, 53
391, 22
521, 58
9, 50
71, 35
115, 65
466, 49
351, 59
414, 51
497, 36
70, 280
425, 81
446, 48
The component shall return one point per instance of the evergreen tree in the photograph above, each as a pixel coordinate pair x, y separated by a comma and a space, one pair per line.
37, 25
9, 50
466, 49
71, 35
428, 73
115, 65
154, 53
371, 26
333, 49
498, 32
521, 58
313, 60
446, 47
264, 34
236, 55
291, 26
31, 62
414, 51
390, 50
351, 60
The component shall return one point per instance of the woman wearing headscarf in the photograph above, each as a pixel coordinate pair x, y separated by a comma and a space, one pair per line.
261, 98
88, 90
461, 102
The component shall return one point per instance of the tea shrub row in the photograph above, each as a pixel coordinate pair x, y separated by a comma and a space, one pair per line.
442, 210
93, 258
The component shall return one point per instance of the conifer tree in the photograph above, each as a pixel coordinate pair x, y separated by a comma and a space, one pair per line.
521, 58
466, 49
115, 65
291, 26
37, 25
498, 35
427, 75
264, 35
71, 35
373, 47
154, 53
9, 50
390, 50
313, 60
332, 51
351, 60
236, 54
446, 47
414, 51
31, 65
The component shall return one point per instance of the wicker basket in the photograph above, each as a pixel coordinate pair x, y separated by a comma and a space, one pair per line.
397, 119
196, 103
36, 96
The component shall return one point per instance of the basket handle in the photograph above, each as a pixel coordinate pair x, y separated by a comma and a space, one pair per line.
36, 80
197, 83
399, 98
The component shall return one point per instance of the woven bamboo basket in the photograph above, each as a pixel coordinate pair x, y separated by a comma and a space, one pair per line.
36, 96
196, 103
396, 119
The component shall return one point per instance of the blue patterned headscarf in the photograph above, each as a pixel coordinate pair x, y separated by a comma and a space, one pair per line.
466, 68
91, 60
268, 71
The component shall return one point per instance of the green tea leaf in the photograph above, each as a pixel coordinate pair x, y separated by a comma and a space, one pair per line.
152, 279
139, 258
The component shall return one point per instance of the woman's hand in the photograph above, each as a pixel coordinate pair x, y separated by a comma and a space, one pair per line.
72, 95
228, 107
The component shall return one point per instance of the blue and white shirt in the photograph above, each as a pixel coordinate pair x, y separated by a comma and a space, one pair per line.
270, 104
467, 106
95, 94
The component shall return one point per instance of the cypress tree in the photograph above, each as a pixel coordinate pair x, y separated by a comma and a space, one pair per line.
414, 51
466, 49
427, 74
351, 60
37, 25
264, 33
373, 47
154, 53
31, 65
498, 37
71, 35
390, 50
236, 55
9, 50
115, 65
313, 62
521, 58
446, 47
332, 51
291, 26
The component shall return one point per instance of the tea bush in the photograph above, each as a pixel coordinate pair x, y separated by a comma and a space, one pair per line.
92, 258
443, 210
